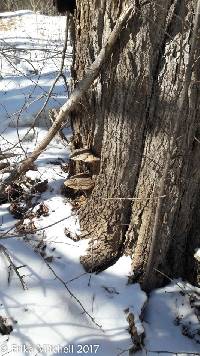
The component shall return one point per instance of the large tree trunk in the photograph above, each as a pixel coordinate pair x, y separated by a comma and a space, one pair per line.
141, 118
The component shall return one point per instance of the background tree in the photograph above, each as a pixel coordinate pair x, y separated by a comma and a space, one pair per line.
141, 117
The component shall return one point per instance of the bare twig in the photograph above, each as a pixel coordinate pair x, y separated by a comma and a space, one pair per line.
75, 278
151, 198
13, 266
4, 235
73, 296
172, 280
60, 73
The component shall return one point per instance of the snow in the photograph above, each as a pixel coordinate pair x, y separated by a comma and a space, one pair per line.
29, 61
197, 254
165, 333
46, 319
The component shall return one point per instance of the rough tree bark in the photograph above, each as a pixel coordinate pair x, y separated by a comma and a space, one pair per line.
141, 118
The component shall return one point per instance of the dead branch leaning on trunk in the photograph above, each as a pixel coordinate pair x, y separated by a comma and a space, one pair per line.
74, 99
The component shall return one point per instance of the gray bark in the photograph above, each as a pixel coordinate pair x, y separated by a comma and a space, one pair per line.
141, 119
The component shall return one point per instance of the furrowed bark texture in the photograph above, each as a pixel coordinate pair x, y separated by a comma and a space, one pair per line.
141, 119
169, 186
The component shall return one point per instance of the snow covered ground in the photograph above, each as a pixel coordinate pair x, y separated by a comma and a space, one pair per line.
64, 310
31, 46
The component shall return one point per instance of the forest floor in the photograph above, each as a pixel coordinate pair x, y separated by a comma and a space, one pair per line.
48, 304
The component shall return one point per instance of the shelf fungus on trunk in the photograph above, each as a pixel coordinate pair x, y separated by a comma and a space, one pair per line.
79, 184
83, 160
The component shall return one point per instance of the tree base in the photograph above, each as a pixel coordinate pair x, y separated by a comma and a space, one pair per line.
99, 258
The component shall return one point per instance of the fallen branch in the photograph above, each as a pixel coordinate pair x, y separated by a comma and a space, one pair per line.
6, 235
74, 99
